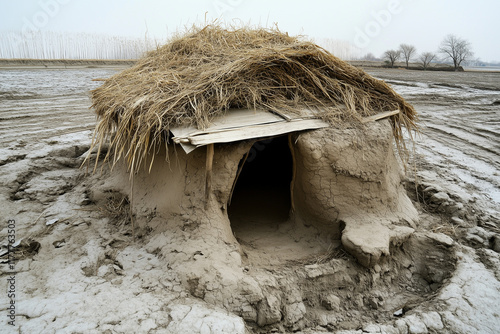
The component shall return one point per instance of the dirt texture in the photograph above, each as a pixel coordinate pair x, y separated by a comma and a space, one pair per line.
349, 185
85, 264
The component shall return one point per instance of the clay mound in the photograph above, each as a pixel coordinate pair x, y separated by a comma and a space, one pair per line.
209, 70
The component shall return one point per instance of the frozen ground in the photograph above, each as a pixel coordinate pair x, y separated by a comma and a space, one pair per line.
79, 270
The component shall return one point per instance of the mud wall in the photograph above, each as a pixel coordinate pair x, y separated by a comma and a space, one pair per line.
347, 186
172, 194
348, 174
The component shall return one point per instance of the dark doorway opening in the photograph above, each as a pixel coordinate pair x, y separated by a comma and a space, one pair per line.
261, 196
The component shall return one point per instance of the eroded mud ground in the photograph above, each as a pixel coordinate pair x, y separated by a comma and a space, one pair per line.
79, 270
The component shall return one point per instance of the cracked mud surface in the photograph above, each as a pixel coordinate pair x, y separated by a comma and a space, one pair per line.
89, 274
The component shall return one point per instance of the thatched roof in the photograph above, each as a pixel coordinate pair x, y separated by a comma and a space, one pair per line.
209, 70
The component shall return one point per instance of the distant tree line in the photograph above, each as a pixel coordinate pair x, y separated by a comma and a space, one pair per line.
453, 49
340, 48
53, 45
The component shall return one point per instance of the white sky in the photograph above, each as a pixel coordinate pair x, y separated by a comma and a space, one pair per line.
423, 23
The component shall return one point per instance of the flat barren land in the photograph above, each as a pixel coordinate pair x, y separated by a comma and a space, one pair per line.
77, 268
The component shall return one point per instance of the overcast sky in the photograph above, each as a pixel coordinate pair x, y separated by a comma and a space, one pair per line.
371, 25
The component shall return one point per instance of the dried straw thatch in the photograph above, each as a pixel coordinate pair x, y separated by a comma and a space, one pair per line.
210, 70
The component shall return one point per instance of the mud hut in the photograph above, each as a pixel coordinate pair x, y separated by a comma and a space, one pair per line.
224, 137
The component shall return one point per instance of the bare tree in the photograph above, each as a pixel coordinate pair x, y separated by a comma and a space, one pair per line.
392, 56
457, 49
408, 51
426, 58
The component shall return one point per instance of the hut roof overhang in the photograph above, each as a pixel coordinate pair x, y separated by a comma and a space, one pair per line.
242, 124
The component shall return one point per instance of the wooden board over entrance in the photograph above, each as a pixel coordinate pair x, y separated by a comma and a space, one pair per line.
241, 124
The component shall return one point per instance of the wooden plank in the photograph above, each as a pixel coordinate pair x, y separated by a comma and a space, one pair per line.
257, 131
237, 122
241, 124
181, 132
379, 116
187, 147
233, 118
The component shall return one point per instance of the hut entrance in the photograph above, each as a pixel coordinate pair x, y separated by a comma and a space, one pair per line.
261, 199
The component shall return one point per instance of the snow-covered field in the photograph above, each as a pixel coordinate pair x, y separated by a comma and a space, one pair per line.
77, 271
